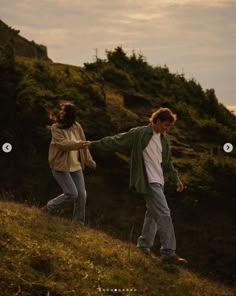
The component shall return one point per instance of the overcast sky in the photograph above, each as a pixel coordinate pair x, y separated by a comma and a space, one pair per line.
194, 37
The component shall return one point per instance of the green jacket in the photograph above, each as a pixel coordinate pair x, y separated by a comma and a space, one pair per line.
135, 141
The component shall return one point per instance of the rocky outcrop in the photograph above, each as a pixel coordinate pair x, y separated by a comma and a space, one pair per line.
22, 47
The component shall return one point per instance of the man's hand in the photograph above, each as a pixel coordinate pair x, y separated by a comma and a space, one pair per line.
180, 187
86, 144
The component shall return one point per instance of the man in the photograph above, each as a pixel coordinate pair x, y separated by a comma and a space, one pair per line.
150, 160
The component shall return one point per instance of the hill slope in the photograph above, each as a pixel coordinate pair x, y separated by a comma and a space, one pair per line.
45, 255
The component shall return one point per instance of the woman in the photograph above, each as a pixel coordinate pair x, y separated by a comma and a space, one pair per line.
67, 159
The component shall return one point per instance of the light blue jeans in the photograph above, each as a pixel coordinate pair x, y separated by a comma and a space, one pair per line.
73, 187
157, 219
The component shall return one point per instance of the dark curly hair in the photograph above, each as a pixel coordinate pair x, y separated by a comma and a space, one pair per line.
69, 117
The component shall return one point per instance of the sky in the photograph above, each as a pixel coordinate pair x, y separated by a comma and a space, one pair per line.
196, 38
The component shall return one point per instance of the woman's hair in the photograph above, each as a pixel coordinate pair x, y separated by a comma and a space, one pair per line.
69, 117
163, 114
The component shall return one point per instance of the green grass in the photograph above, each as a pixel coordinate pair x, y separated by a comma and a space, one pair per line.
46, 255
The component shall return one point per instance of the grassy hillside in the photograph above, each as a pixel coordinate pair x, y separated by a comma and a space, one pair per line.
45, 255
111, 96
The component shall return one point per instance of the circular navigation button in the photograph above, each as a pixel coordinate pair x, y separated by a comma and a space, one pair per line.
7, 147
228, 147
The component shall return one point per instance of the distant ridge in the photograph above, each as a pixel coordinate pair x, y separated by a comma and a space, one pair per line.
22, 47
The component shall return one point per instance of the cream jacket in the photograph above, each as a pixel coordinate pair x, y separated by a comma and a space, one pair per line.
61, 145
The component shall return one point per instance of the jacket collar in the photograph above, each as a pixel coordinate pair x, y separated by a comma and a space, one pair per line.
150, 131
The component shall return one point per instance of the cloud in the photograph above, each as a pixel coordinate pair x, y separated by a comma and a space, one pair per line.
50, 36
215, 3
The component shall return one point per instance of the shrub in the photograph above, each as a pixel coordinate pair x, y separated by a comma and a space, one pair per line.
214, 130
116, 76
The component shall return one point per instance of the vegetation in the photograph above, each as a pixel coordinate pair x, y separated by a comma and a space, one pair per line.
113, 93
44, 255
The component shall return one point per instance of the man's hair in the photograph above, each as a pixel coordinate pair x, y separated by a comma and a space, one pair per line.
163, 114
69, 118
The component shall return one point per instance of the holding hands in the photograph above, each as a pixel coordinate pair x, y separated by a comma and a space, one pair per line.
86, 144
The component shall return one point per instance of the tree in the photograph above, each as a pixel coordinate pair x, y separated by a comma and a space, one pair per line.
117, 57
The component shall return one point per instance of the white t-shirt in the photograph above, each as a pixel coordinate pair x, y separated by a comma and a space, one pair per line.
152, 155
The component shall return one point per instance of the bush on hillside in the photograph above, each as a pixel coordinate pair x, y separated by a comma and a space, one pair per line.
213, 130
211, 181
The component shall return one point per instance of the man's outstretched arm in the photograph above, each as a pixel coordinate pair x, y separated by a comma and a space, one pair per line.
120, 143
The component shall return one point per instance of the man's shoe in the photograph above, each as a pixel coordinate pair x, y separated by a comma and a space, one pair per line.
174, 260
